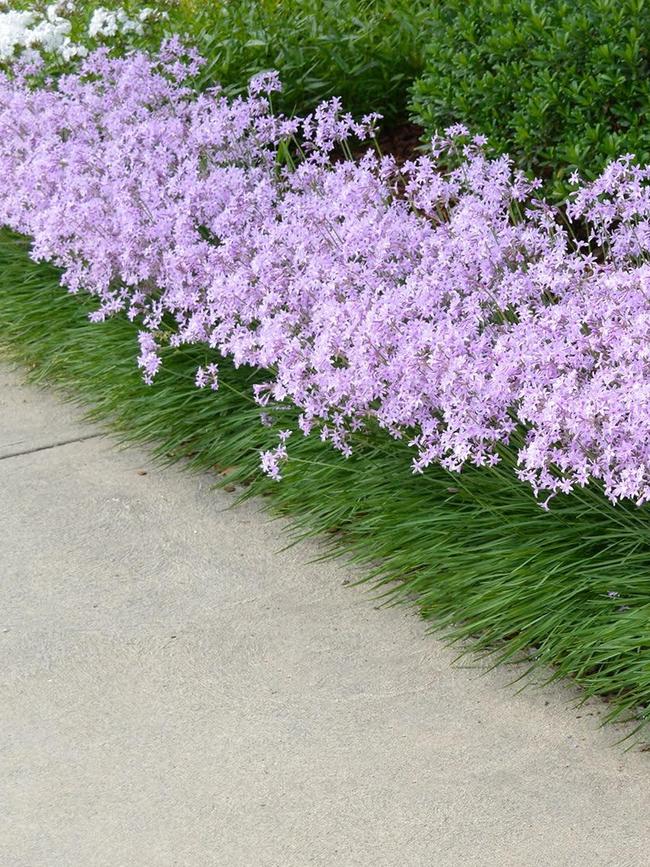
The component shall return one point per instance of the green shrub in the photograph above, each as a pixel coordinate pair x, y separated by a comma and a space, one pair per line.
557, 85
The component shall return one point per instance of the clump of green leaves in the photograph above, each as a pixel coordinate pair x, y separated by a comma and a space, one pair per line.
365, 51
556, 84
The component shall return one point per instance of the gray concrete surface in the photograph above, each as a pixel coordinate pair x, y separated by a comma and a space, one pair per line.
174, 690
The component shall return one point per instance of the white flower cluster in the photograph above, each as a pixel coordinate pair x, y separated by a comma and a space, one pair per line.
27, 30
49, 31
109, 22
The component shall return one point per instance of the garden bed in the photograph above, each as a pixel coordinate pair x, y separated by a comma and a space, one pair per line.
567, 588
470, 373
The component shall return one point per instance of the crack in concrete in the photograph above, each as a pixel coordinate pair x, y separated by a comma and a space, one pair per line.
51, 446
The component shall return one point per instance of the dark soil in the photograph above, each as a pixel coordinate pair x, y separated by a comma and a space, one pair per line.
403, 142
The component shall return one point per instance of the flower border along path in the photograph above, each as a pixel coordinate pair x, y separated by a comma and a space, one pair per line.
473, 552
414, 319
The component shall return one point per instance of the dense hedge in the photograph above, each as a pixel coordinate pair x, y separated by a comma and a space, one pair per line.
558, 85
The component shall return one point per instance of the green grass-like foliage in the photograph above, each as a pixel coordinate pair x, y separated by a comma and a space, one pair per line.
365, 51
558, 85
473, 552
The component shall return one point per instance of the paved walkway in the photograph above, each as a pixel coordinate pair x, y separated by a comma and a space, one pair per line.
174, 690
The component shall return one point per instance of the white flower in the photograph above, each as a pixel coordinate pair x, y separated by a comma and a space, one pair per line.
69, 50
50, 35
49, 30
107, 23
59, 9
14, 31
52, 12
130, 26
102, 23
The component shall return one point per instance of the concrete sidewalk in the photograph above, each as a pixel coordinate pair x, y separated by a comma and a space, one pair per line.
176, 691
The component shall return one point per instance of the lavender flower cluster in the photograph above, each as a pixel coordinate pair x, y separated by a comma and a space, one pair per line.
438, 300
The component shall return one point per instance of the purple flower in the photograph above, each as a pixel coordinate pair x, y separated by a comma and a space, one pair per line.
412, 298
